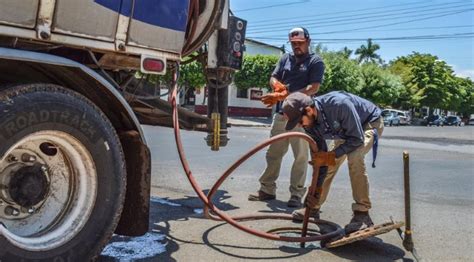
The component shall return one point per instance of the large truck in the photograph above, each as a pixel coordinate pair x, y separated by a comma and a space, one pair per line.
74, 163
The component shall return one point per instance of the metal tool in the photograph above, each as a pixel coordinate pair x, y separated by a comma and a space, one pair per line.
407, 235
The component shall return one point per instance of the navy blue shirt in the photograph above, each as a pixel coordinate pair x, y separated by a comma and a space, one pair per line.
343, 115
298, 75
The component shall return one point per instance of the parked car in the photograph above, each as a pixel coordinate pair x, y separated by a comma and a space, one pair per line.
403, 116
453, 121
435, 120
390, 118
471, 120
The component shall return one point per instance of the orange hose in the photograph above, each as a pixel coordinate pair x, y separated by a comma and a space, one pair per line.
233, 220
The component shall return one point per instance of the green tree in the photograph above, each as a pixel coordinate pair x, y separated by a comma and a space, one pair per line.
464, 102
368, 53
346, 52
256, 71
379, 85
428, 81
409, 96
320, 49
340, 73
192, 75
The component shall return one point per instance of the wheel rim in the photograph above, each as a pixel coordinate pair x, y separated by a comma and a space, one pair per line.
48, 187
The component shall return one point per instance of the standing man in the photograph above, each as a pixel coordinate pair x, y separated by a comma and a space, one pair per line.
355, 124
300, 71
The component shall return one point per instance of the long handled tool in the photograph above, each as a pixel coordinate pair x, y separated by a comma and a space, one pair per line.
407, 235
312, 190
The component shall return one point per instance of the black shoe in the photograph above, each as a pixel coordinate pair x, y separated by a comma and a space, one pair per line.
359, 221
298, 215
261, 196
295, 201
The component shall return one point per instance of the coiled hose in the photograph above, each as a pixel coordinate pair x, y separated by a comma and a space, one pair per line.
210, 209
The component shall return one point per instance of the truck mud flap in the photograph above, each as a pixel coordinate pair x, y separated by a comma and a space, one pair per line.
365, 233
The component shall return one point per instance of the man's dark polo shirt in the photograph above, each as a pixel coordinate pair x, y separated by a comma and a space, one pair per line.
299, 75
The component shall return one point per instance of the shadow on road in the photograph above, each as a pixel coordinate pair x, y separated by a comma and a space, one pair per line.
292, 252
371, 249
159, 244
278, 206
164, 213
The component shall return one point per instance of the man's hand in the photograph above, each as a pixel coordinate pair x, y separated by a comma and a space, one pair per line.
273, 98
324, 158
311, 201
278, 86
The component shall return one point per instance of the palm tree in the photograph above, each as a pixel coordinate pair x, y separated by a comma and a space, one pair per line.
346, 52
367, 53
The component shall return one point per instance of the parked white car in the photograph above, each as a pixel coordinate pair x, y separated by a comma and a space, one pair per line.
471, 120
405, 118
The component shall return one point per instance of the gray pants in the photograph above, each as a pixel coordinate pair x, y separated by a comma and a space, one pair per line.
274, 156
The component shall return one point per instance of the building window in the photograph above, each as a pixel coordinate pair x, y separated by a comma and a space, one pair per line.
242, 93
256, 94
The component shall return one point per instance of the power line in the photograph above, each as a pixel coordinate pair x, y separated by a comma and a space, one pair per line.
345, 21
339, 16
388, 24
392, 29
397, 23
392, 41
344, 12
419, 28
400, 41
271, 6
460, 35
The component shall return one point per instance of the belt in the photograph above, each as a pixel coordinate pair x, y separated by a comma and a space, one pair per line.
375, 120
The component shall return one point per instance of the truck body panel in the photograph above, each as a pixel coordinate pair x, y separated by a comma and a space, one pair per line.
19, 13
88, 52
81, 18
156, 28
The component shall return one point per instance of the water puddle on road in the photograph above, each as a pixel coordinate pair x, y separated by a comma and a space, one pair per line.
123, 248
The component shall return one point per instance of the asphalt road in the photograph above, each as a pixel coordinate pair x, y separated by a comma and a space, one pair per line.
442, 165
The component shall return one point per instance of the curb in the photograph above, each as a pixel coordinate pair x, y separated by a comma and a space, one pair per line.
249, 125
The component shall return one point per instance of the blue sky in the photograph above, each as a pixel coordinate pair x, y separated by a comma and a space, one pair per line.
440, 27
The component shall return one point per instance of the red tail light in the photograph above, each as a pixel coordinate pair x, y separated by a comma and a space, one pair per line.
152, 65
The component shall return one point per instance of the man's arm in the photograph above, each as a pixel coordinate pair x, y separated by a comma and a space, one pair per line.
316, 73
273, 82
311, 89
353, 131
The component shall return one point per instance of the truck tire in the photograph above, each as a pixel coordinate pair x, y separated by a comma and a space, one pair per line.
62, 175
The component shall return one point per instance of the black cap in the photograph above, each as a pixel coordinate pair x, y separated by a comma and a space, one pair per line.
294, 108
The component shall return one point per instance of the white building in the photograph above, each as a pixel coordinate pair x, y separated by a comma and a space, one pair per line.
245, 102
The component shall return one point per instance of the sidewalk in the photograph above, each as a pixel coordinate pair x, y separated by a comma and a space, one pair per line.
250, 121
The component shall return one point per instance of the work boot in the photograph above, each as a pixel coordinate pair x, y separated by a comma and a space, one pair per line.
298, 215
360, 220
261, 196
295, 201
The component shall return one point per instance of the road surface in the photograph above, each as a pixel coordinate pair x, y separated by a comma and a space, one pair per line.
442, 170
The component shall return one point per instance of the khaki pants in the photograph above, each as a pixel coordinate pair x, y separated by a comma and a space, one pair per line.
357, 169
274, 156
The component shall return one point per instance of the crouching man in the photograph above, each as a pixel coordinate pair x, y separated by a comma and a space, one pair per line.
355, 124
